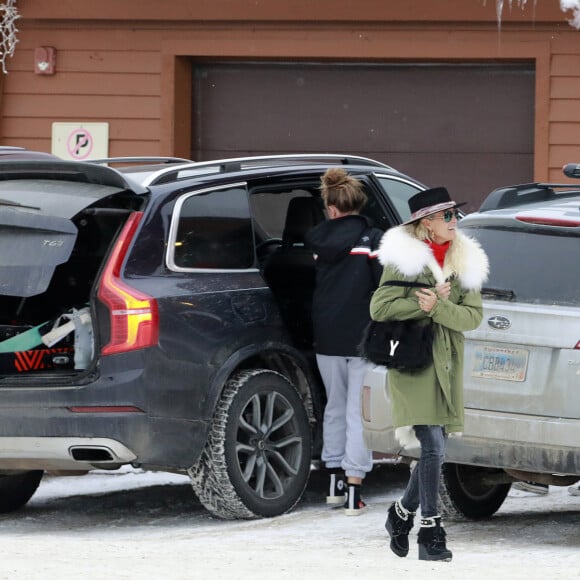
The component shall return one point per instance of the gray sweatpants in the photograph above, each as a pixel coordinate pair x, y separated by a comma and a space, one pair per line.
343, 444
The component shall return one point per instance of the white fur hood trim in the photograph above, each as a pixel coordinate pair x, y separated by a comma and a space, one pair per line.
410, 256
408, 440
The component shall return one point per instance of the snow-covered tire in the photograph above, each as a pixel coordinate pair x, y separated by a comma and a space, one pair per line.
465, 494
16, 489
257, 458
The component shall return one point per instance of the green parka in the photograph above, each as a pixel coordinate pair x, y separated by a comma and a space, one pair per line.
433, 396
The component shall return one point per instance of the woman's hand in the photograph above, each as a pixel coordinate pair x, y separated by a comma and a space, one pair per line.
427, 299
443, 290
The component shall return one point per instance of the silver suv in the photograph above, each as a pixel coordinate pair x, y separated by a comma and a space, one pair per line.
522, 365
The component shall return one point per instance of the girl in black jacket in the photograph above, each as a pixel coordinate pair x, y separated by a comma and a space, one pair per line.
347, 273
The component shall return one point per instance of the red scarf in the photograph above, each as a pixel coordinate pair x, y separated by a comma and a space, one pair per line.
439, 251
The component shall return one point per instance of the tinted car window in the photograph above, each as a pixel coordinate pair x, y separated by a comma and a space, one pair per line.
214, 231
399, 193
536, 268
270, 209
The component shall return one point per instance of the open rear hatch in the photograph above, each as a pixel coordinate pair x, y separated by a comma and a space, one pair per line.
57, 223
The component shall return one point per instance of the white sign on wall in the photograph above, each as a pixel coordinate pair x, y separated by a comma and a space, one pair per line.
80, 141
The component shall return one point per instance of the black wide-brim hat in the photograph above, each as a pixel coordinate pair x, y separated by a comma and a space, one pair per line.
428, 202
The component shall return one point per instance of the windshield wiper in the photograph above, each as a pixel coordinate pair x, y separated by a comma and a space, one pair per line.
499, 293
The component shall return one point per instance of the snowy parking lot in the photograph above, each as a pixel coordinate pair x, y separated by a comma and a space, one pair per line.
133, 524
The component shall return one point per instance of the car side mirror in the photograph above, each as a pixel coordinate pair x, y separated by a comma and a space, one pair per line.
572, 170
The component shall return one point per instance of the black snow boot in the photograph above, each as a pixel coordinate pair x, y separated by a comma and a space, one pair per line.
399, 523
431, 540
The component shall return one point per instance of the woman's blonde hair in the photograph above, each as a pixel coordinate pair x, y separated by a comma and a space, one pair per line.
342, 190
418, 230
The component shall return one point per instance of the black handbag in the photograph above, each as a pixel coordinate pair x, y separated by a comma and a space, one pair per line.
405, 345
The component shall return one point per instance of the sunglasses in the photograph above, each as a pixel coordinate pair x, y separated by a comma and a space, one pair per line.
448, 215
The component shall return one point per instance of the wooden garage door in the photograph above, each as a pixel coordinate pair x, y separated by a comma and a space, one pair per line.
469, 127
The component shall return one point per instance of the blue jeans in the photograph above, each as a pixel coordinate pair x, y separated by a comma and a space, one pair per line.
423, 486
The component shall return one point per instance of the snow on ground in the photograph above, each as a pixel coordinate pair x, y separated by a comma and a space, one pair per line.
133, 524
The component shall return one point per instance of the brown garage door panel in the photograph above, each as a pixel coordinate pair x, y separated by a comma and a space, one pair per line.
453, 124
469, 176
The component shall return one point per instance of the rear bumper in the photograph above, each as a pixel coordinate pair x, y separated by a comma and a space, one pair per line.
520, 442
56, 438
61, 453
490, 439
142, 413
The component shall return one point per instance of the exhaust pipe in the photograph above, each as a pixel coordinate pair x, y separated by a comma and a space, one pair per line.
93, 454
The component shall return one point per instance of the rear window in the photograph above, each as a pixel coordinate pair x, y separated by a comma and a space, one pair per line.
214, 231
539, 268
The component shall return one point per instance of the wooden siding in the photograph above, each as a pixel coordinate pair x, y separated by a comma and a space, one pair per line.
103, 74
128, 63
564, 136
424, 11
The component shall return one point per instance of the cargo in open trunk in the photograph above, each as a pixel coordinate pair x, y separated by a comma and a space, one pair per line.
57, 224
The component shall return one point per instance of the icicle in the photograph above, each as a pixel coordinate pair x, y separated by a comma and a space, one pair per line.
521, 5
573, 5
499, 12
565, 5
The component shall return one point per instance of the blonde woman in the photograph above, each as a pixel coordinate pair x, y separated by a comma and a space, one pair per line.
428, 404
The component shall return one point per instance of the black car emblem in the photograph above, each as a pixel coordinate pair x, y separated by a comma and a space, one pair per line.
499, 322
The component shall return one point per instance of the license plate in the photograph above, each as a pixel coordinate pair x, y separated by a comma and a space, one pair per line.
508, 364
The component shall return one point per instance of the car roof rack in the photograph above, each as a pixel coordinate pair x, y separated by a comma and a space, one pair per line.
107, 160
525, 193
200, 168
11, 148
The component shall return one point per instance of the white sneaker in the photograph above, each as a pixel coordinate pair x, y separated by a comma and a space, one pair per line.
574, 490
532, 487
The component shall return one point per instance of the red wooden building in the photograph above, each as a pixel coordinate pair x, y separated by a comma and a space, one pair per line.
441, 89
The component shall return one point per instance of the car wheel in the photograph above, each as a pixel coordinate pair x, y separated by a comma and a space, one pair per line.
256, 462
464, 492
17, 489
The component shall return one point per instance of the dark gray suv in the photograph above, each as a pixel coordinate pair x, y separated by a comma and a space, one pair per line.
158, 315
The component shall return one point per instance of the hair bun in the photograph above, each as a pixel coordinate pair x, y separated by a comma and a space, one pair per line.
334, 177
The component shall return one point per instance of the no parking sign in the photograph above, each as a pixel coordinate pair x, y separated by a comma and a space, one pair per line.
80, 141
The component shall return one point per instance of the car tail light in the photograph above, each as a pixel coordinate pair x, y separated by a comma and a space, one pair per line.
547, 221
134, 315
